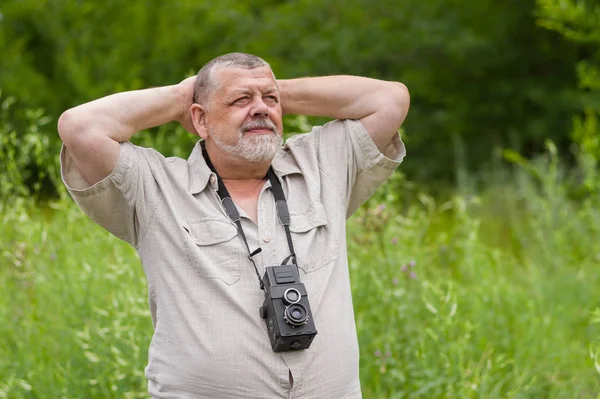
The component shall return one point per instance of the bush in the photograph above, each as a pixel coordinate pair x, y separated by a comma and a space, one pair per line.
28, 154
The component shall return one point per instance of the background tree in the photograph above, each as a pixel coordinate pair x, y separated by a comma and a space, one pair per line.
579, 22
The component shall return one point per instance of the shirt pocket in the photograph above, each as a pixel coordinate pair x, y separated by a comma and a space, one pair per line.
315, 242
212, 249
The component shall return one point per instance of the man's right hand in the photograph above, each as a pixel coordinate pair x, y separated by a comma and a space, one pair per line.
187, 87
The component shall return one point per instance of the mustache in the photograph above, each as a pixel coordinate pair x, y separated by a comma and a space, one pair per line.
259, 124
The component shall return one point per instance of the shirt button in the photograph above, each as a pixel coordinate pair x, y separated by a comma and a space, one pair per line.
213, 180
267, 239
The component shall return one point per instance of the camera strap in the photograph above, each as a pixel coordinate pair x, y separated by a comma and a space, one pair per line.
283, 214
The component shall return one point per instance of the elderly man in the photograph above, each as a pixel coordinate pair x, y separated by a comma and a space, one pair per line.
201, 264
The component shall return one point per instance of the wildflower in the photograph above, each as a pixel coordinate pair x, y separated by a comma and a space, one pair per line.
388, 354
395, 281
378, 210
413, 275
395, 240
377, 353
404, 268
412, 263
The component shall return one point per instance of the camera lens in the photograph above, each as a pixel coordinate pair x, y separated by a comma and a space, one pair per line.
291, 296
296, 314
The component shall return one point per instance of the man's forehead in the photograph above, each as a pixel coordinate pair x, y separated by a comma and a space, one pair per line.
239, 79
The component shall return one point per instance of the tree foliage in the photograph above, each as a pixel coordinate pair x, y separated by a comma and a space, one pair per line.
481, 74
579, 22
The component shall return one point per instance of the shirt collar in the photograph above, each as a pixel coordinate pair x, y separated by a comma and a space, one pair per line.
200, 174
198, 171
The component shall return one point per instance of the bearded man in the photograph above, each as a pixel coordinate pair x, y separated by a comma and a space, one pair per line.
201, 263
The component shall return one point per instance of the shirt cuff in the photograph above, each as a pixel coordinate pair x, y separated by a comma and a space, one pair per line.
392, 155
76, 183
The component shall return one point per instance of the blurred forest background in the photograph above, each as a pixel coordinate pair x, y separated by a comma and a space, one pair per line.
483, 74
485, 240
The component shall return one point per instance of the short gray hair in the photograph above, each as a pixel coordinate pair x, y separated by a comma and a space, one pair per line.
206, 81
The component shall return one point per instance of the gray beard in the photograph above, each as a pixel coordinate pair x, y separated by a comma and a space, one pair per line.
253, 148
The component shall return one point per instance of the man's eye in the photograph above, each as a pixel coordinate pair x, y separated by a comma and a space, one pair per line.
241, 99
272, 98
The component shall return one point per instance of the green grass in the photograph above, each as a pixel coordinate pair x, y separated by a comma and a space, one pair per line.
478, 297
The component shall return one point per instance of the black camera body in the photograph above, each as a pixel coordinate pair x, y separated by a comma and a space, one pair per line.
286, 310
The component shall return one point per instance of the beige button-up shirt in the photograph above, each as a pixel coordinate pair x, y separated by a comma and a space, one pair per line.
209, 340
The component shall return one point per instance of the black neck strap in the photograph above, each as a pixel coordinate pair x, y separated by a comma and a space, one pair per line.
283, 214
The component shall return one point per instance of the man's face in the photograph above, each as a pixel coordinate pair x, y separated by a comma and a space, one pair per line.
244, 116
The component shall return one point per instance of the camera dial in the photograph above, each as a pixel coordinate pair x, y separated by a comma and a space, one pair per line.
296, 314
291, 295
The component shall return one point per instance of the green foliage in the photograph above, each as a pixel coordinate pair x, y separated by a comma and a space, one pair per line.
27, 153
481, 74
579, 21
73, 325
585, 135
595, 351
481, 297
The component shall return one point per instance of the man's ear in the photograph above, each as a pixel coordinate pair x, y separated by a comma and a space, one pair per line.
198, 115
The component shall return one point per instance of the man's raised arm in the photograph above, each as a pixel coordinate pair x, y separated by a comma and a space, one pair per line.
92, 131
380, 105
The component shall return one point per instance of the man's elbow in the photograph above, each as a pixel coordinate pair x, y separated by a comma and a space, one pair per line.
67, 125
398, 102
391, 107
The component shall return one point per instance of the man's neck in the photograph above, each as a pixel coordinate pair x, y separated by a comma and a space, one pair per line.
244, 180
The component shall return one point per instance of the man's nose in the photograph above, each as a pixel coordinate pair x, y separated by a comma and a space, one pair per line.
259, 109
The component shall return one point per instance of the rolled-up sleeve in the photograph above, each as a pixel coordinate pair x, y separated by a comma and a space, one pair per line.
349, 156
118, 202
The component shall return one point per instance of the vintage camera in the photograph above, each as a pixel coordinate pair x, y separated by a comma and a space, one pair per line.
286, 310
